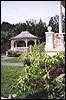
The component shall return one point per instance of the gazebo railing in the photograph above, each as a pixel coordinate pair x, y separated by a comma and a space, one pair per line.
21, 49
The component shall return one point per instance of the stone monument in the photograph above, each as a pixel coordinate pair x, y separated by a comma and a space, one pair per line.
54, 42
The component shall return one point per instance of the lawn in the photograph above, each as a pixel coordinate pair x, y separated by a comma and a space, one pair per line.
2, 54
9, 75
11, 60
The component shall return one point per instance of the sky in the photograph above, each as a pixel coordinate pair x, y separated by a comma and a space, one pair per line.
20, 11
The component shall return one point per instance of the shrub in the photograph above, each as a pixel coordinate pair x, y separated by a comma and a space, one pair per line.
60, 55
37, 48
56, 90
36, 74
33, 75
12, 53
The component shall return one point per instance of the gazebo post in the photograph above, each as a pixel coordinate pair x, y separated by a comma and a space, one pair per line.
35, 41
12, 44
38, 41
26, 45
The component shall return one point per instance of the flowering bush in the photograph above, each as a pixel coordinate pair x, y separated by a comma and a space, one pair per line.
37, 74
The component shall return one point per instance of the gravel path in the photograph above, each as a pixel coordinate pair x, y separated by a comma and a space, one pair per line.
5, 57
10, 64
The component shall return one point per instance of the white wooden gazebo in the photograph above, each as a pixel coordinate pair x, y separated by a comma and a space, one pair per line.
23, 40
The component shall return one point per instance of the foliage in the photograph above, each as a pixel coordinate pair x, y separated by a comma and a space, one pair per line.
6, 26
5, 39
54, 23
60, 56
41, 47
12, 53
9, 30
56, 90
37, 48
37, 74
9, 76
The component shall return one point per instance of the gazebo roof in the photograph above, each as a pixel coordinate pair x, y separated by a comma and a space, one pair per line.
24, 35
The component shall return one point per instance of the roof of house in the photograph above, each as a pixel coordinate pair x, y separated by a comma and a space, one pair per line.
24, 35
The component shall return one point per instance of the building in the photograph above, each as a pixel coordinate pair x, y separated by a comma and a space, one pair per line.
23, 40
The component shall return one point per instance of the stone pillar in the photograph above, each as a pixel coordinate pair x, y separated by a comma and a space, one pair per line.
49, 39
60, 17
62, 40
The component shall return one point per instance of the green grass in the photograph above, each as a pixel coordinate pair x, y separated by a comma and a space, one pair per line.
2, 54
9, 75
12, 60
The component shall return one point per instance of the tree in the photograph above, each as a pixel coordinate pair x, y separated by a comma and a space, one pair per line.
31, 26
5, 26
54, 23
9, 30
5, 43
18, 28
40, 30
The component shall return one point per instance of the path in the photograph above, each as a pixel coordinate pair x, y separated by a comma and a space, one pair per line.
10, 64
5, 57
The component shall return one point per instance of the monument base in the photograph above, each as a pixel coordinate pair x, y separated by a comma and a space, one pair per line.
53, 51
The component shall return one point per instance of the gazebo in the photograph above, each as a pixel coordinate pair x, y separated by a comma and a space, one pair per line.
23, 40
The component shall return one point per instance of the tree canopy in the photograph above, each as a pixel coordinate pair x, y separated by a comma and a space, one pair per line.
54, 23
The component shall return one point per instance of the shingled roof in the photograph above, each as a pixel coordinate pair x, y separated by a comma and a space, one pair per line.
24, 35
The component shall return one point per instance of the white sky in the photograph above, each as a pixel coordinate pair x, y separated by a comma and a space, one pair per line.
20, 11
